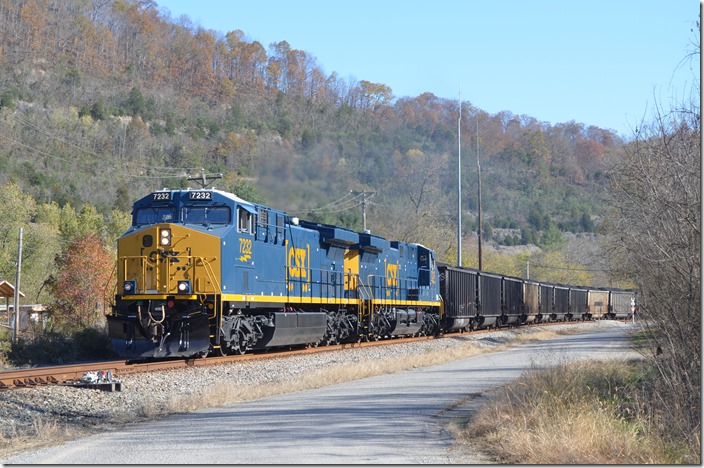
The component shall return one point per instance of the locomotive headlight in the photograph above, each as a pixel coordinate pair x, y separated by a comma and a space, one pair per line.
184, 286
129, 287
165, 237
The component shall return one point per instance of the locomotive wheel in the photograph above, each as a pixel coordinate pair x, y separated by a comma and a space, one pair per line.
222, 350
241, 347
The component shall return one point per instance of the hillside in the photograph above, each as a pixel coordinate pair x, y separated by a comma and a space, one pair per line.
104, 101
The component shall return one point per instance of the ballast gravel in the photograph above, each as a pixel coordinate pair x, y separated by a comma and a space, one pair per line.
54, 413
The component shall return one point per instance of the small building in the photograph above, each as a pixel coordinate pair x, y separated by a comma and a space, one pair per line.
34, 312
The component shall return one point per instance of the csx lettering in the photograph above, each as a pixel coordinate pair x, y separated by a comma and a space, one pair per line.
392, 275
297, 262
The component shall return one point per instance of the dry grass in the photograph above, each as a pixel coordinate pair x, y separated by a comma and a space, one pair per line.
44, 432
223, 394
586, 413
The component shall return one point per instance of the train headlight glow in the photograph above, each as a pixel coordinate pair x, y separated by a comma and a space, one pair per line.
184, 287
165, 237
129, 287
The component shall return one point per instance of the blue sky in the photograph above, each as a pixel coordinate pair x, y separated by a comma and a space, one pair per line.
598, 62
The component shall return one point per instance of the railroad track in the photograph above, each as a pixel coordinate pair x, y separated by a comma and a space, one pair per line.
72, 374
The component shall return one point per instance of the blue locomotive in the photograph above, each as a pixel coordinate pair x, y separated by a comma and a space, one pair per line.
203, 271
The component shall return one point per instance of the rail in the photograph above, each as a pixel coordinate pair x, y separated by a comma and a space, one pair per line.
71, 374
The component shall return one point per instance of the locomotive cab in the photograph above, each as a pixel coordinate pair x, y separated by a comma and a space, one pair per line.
169, 275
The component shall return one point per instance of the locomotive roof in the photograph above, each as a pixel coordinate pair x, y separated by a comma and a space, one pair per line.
222, 193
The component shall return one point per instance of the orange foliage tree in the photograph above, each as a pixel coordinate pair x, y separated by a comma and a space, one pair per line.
83, 281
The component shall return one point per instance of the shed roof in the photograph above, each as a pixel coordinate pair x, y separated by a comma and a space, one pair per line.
8, 290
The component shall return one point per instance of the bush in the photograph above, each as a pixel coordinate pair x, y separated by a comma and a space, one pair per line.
52, 348
45, 348
92, 343
5, 344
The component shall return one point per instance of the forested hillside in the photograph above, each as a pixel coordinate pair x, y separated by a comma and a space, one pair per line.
102, 101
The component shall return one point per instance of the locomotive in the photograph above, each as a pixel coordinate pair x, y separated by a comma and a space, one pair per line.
205, 272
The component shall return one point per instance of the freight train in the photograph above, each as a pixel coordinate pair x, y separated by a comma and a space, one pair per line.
205, 272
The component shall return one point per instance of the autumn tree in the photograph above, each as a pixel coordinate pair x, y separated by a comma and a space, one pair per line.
419, 215
372, 96
83, 282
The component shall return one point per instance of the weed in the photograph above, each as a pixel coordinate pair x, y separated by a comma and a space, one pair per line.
576, 413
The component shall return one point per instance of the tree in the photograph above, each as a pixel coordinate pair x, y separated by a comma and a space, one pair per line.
374, 95
84, 282
135, 103
16, 211
655, 235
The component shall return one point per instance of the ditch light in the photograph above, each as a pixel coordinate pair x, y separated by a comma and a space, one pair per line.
129, 287
184, 287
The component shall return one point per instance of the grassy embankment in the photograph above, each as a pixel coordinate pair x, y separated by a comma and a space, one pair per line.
585, 413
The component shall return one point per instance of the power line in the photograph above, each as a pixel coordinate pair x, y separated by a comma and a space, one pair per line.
364, 206
341, 204
335, 203
174, 172
570, 269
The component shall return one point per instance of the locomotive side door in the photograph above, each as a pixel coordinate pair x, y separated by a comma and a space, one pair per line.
245, 261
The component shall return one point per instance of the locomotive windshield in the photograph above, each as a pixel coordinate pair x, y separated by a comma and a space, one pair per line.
154, 215
206, 215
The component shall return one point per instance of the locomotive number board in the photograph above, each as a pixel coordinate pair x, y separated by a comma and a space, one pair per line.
203, 196
161, 196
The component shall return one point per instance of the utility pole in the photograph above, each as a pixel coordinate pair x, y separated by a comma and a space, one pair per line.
459, 180
527, 269
479, 177
16, 331
364, 205
203, 179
